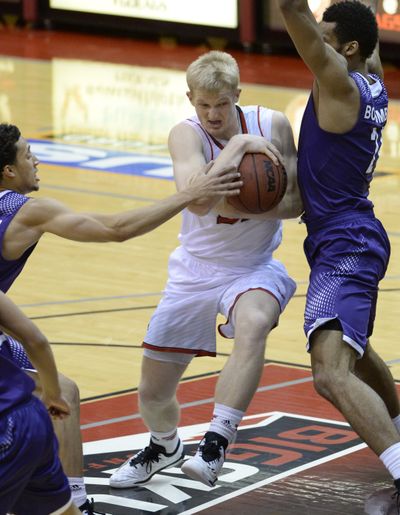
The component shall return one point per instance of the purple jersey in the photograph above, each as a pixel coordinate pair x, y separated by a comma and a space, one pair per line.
335, 170
15, 386
10, 203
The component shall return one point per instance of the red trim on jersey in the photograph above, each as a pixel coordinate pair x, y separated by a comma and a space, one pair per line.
234, 304
182, 350
259, 120
243, 127
208, 136
242, 119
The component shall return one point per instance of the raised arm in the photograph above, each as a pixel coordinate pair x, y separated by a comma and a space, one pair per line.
15, 323
336, 96
374, 64
328, 66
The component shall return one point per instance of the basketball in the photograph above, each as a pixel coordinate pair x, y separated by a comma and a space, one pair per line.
264, 184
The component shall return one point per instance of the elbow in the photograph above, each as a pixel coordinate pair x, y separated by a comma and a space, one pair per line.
121, 236
298, 210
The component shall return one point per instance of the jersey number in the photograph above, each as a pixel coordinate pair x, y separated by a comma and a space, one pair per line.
377, 137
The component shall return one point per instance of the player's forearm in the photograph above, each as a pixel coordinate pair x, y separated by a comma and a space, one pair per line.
126, 225
14, 322
230, 156
39, 352
41, 355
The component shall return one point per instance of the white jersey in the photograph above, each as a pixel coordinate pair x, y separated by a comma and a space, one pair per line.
231, 242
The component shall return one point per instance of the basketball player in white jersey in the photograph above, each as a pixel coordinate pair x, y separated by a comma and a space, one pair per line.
224, 265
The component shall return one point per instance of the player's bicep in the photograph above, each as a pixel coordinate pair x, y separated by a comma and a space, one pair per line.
48, 215
186, 152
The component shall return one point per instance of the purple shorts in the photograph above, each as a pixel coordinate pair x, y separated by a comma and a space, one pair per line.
32, 481
348, 257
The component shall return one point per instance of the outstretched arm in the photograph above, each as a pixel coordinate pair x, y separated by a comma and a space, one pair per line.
15, 323
38, 216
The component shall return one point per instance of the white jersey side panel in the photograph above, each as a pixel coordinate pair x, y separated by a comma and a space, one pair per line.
237, 243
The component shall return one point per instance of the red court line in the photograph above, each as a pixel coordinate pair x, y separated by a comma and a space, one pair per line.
299, 399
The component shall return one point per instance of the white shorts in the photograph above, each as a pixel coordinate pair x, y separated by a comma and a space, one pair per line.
196, 291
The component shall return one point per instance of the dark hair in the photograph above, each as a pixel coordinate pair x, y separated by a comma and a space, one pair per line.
9, 135
354, 22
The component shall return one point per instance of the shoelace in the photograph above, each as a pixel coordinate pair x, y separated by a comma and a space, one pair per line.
146, 457
210, 451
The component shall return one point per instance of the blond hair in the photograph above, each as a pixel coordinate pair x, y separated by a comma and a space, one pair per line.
213, 71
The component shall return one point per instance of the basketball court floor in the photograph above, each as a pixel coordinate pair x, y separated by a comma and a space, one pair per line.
97, 111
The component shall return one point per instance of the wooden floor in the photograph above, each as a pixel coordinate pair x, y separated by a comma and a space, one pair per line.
96, 108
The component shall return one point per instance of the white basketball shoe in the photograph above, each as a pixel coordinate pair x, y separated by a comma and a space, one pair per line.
141, 467
207, 463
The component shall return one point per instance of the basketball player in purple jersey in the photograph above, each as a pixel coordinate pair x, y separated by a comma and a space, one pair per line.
32, 481
223, 265
347, 247
24, 220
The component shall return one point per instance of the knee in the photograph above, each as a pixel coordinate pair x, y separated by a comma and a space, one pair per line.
328, 382
70, 391
153, 395
254, 327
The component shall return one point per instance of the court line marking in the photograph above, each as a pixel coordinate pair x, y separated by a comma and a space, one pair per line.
273, 479
159, 293
187, 432
191, 404
153, 306
92, 299
94, 192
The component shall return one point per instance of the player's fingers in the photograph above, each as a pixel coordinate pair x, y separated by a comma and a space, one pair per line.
273, 157
273, 153
236, 185
226, 170
228, 178
230, 193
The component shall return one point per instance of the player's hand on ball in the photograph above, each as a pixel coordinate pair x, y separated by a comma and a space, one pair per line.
259, 145
223, 182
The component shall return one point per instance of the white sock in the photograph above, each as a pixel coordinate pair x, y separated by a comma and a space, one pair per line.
396, 422
225, 421
168, 440
78, 490
391, 460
